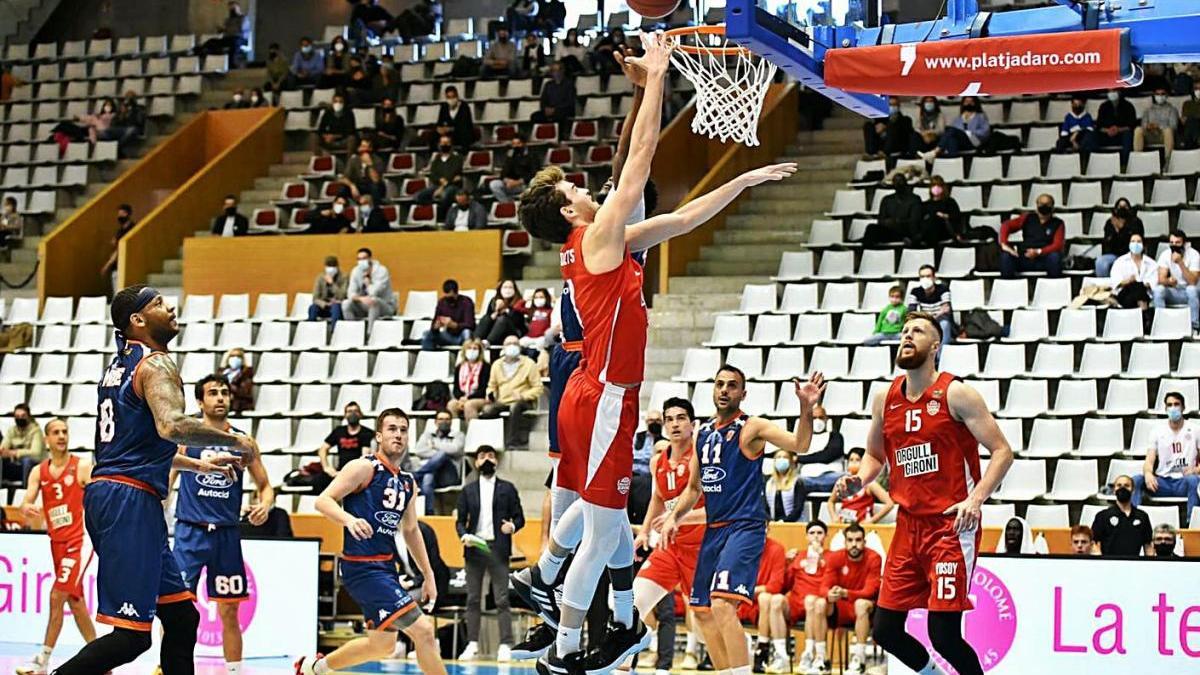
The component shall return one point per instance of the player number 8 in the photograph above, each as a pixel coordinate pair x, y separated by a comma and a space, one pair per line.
108, 422
230, 585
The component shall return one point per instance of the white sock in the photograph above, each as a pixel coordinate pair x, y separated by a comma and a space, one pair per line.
45, 653
931, 669
859, 651
740, 670
321, 667
549, 566
809, 645
763, 639
233, 667
821, 650
692, 643
780, 645
623, 607
568, 640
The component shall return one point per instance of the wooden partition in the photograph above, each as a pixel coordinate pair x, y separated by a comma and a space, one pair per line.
279, 264
238, 146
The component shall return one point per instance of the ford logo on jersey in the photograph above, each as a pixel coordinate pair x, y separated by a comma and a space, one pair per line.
712, 474
213, 480
388, 518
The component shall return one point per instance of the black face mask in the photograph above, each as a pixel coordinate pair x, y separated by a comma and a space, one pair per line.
1164, 550
353, 420
1124, 495
22, 422
231, 211
900, 187
655, 429
488, 468
122, 219
1176, 249
1076, 109
1045, 209
1124, 212
444, 148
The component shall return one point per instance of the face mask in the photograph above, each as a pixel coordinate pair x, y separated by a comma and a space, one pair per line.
306, 50
443, 427
339, 47
231, 211
926, 282
512, 351
237, 98
1176, 249
444, 149
1136, 247
506, 293
365, 210
929, 106
894, 109
364, 265
1124, 212
272, 53
502, 38
1174, 414
254, 98
654, 429
452, 102
1045, 209
22, 422
969, 109
819, 425
338, 107
235, 362
122, 219
900, 187
331, 271
1076, 109
472, 354
1164, 550
539, 302
782, 465
338, 207
353, 419
487, 468
1124, 495
1114, 96
937, 190
1160, 99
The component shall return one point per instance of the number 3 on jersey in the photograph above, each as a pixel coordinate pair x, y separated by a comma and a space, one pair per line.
912, 420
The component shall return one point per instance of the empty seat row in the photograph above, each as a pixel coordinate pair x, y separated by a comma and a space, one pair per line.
99, 48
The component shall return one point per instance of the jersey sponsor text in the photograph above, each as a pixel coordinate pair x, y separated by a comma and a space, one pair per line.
917, 460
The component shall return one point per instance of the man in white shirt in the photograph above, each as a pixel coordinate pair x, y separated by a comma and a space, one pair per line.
230, 223
465, 214
370, 294
1171, 468
1178, 272
1133, 275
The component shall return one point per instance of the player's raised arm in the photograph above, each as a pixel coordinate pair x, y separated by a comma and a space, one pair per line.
759, 432
159, 384
653, 231
969, 407
352, 477
638, 77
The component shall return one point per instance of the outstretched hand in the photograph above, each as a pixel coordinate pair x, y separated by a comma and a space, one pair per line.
634, 72
657, 54
810, 392
771, 172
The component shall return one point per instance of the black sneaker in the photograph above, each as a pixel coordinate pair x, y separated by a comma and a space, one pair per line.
706, 664
537, 642
762, 655
619, 644
551, 663
537, 594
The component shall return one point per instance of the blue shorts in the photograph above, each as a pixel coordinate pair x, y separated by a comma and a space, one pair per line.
218, 550
728, 563
562, 364
375, 586
137, 571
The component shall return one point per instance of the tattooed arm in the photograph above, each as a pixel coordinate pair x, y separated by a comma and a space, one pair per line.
158, 382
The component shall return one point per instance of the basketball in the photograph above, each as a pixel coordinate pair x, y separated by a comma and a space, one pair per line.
653, 9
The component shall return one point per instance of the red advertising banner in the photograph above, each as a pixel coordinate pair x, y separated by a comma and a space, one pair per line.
1030, 64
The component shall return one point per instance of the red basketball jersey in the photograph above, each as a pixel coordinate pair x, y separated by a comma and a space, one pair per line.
860, 505
933, 458
669, 481
612, 311
62, 501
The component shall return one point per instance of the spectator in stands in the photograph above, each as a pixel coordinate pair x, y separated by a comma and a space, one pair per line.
336, 72
1172, 464
891, 135
1133, 276
830, 456
602, 53
240, 376
1041, 247
1115, 123
329, 290
521, 15
899, 218
8, 82
373, 184
539, 315
453, 319
370, 292
368, 20
97, 124
552, 16
933, 296
235, 34
1120, 226
230, 223
533, 57
785, 491
514, 385
23, 446
942, 218
419, 20
1178, 274
571, 54
237, 101
439, 446
12, 225
466, 213
517, 171
307, 65
500, 59
371, 220
968, 131
557, 97
1122, 529
489, 512
1164, 539
128, 125
860, 507
505, 314
1082, 542
1191, 118
277, 70
352, 441
472, 373
848, 593
645, 440
1077, 125
385, 79
125, 223
360, 85
455, 120
389, 127
1016, 539
356, 166
444, 174
931, 124
332, 220
1159, 124
805, 574
890, 319
337, 132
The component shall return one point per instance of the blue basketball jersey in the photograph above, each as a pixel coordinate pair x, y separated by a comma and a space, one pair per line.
127, 442
210, 498
572, 328
733, 484
381, 502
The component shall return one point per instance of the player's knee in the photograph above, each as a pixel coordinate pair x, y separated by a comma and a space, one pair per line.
57, 598
421, 631
863, 607
810, 603
820, 604
179, 619
228, 611
945, 635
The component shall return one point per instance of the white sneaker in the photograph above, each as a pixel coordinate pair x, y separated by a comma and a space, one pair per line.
816, 668
855, 667
806, 661
470, 652
690, 661
304, 666
779, 664
503, 654
660, 671
36, 666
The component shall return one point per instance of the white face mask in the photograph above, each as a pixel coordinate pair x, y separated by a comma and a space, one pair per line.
511, 351
254, 98
930, 106
339, 47
338, 207
1160, 99
472, 354
237, 98
819, 425
365, 209
1114, 96
539, 302
364, 264
926, 282
337, 107
331, 271
506, 293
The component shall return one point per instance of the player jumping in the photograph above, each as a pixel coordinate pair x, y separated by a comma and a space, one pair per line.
140, 427
726, 471
928, 427
59, 481
207, 515
376, 499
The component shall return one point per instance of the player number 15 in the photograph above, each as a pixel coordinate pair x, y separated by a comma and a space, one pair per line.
912, 420
946, 589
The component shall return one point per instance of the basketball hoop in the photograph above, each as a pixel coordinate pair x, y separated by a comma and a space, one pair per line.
731, 82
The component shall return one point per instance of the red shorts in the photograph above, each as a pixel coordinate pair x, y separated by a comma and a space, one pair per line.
843, 613
795, 607
929, 565
69, 562
675, 566
748, 612
596, 423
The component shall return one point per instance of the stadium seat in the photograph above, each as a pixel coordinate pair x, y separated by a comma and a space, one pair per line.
1047, 516
797, 299
1076, 325
997, 515
234, 336
795, 266
1148, 360
1123, 325
843, 398
1101, 437
1049, 439
871, 363
1026, 481
1028, 325
699, 365
1170, 323
1125, 397
784, 363
431, 367
348, 335
732, 329
853, 329
840, 298
771, 329
962, 360
1053, 361
1026, 398
51, 368
485, 432
757, 299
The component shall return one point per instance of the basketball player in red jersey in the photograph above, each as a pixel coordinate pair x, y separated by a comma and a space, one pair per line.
599, 409
59, 481
928, 427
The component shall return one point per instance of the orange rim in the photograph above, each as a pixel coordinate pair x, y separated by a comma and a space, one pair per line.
678, 33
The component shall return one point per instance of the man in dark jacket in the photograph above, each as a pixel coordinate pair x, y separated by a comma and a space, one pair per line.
1114, 126
557, 97
230, 223
333, 220
455, 120
1043, 237
516, 173
489, 513
370, 217
900, 215
465, 214
337, 132
890, 135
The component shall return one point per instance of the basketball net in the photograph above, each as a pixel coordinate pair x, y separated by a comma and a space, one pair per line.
731, 83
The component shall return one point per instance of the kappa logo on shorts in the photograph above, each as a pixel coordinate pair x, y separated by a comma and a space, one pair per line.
623, 485
383, 614
128, 610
